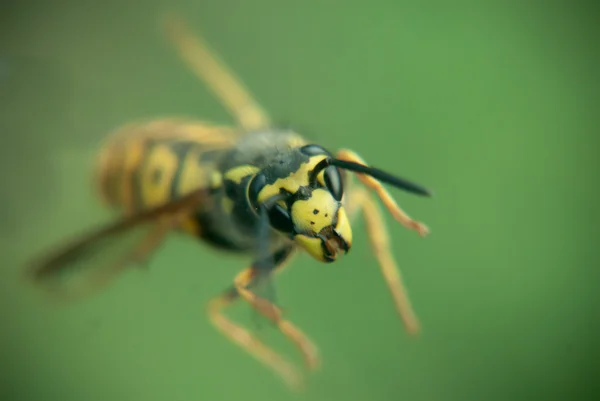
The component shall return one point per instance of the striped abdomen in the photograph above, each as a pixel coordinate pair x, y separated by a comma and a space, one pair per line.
144, 165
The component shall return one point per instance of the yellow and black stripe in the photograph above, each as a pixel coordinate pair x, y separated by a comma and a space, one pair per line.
149, 164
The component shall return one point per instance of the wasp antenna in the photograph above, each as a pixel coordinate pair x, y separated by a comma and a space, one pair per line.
380, 175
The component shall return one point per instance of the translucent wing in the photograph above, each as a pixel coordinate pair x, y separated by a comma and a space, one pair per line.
90, 262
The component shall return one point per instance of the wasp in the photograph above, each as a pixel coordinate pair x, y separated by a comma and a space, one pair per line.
252, 189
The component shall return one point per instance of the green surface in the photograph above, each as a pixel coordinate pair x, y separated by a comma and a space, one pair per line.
494, 107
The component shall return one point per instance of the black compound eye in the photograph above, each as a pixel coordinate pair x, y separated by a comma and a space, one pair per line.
280, 219
256, 185
314, 150
333, 182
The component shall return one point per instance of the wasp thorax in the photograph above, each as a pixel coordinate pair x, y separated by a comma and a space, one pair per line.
321, 225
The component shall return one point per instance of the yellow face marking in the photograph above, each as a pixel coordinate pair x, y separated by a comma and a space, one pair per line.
343, 226
314, 245
158, 173
236, 174
292, 182
311, 245
314, 213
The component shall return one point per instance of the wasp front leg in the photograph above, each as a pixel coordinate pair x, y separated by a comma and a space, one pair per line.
272, 312
251, 344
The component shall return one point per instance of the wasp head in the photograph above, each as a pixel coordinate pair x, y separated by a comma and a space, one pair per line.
305, 202
321, 225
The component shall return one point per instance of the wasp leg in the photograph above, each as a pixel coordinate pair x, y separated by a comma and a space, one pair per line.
273, 313
223, 82
379, 238
250, 343
244, 338
359, 199
384, 195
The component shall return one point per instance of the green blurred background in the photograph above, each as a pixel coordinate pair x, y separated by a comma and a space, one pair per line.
493, 106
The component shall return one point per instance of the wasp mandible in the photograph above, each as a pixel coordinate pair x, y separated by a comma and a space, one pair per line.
251, 188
